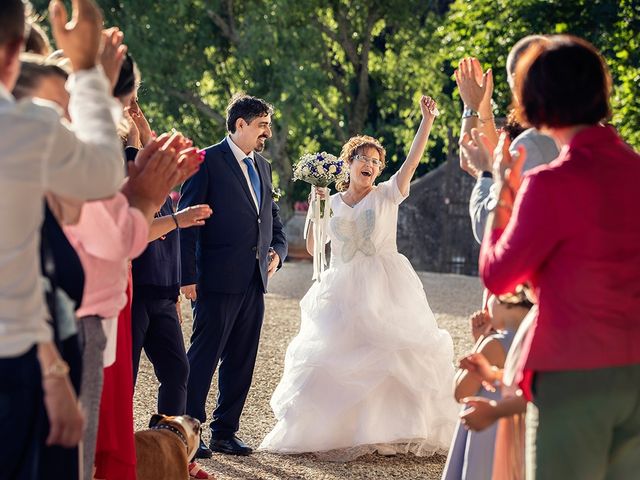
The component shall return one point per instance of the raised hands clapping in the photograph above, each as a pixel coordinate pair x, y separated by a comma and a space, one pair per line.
474, 85
112, 53
80, 37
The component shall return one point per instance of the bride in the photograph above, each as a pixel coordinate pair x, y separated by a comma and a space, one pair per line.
370, 370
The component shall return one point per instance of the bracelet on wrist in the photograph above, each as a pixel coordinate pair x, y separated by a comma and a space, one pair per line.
58, 369
486, 119
175, 219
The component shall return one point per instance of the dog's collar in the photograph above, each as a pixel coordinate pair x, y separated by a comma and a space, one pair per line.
171, 428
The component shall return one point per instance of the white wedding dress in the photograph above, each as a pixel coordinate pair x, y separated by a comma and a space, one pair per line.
370, 369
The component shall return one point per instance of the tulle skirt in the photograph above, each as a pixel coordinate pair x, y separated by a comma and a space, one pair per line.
369, 370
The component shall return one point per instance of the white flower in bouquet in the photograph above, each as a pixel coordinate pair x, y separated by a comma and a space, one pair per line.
320, 169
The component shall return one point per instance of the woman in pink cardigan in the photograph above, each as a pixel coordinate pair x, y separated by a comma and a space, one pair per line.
571, 229
110, 233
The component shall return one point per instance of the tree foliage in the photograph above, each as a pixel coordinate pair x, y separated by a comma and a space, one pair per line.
334, 68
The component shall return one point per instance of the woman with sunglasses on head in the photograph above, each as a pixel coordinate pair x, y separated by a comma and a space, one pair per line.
369, 370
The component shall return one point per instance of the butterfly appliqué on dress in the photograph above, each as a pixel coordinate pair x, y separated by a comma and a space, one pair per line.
356, 235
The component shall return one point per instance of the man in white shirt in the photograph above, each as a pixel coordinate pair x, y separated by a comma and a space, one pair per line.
226, 265
38, 153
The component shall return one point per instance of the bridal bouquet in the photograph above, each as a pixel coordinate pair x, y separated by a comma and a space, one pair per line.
319, 169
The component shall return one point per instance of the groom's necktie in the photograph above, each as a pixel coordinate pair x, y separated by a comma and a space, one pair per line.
255, 180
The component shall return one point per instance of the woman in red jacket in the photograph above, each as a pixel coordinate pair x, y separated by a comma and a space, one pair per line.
571, 229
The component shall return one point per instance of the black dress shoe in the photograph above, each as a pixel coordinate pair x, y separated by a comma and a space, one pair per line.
203, 451
231, 446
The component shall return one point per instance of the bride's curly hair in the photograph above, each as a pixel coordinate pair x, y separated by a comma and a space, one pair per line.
356, 146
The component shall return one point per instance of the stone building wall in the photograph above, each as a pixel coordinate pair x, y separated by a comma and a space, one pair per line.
434, 228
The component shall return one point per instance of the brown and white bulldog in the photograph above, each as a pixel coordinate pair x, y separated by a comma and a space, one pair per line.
165, 449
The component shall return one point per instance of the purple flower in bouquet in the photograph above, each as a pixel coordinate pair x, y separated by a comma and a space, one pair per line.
319, 169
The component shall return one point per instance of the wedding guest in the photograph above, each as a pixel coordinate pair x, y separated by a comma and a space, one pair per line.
471, 453
115, 450
60, 264
110, 232
478, 135
508, 412
39, 154
155, 309
570, 228
156, 318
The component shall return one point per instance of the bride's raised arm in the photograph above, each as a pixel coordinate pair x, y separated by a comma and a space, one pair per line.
429, 111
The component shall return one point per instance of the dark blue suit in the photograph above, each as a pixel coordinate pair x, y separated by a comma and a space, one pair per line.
227, 259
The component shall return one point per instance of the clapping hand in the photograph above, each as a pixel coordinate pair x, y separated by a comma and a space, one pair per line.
480, 323
133, 136
481, 413
141, 123
188, 163
153, 173
475, 87
188, 158
112, 54
478, 364
506, 167
79, 38
477, 152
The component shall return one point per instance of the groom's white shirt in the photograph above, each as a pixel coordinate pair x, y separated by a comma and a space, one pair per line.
240, 156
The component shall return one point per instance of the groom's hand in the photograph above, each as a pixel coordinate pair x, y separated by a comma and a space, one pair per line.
189, 291
273, 264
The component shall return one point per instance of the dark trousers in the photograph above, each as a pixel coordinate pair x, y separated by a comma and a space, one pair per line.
22, 417
156, 328
24, 426
226, 329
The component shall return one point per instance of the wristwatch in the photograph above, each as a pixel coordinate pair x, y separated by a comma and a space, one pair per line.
469, 112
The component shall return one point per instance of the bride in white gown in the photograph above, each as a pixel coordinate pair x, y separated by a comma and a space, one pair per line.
370, 370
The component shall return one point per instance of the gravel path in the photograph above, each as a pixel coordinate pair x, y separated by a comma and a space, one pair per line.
452, 299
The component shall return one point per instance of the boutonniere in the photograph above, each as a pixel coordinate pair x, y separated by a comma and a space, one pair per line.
276, 193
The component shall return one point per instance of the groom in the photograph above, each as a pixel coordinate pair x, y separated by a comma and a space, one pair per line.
225, 268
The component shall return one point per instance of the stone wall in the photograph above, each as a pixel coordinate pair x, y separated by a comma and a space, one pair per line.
434, 228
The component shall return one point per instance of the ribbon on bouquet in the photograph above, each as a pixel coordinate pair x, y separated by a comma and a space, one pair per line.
319, 215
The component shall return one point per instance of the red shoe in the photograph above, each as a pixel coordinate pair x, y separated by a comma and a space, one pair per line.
196, 471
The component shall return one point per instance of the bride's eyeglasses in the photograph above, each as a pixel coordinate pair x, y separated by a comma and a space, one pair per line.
368, 160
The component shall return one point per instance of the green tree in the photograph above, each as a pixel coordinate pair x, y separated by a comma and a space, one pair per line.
334, 68
488, 28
